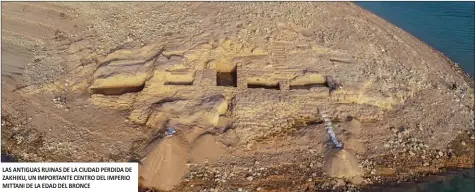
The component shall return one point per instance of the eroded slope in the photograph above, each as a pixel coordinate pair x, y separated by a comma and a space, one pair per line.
249, 83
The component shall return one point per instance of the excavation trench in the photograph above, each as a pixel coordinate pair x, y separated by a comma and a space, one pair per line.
117, 90
226, 75
228, 79
179, 83
308, 86
263, 86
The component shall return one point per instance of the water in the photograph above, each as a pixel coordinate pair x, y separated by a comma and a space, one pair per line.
446, 26
449, 28
7, 158
463, 182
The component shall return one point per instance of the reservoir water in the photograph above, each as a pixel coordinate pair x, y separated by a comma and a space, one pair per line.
449, 28
7, 158
446, 26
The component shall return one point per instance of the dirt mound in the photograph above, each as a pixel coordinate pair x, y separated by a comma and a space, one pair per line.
167, 163
165, 166
166, 159
206, 150
342, 164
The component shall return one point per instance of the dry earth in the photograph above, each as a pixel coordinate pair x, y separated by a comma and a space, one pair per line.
244, 85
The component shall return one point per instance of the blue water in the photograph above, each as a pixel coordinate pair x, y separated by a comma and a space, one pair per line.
449, 28
462, 182
446, 26
7, 158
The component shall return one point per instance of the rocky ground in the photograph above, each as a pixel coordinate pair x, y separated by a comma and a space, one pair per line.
84, 82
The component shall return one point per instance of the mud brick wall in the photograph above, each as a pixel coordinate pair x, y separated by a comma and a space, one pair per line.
241, 79
260, 113
284, 85
205, 78
145, 100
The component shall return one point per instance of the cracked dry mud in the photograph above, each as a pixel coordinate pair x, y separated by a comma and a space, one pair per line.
242, 83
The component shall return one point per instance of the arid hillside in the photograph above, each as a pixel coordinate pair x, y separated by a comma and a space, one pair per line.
232, 96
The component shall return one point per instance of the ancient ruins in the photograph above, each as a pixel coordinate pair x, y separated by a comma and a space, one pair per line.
261, 95
288, 84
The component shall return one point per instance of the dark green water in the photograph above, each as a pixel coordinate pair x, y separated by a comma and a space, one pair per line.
446, 26
449, 28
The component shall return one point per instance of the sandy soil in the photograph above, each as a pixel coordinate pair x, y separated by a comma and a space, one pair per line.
101, 81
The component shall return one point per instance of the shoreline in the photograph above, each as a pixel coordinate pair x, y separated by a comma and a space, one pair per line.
456, 67
424, 183
6, 158
419, 183
430, 178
